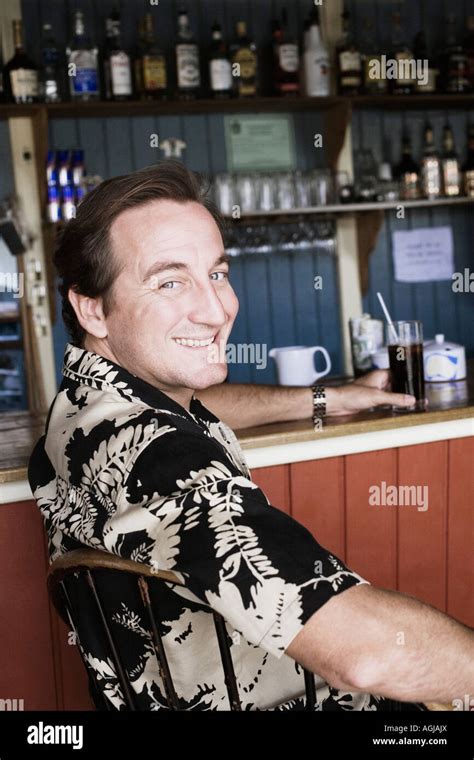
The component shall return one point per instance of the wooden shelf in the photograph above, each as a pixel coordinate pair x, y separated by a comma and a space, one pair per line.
397, 102
9, 318
351, 208
8, 345
253, 105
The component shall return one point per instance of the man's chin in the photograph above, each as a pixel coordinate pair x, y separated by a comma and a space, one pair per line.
211, 375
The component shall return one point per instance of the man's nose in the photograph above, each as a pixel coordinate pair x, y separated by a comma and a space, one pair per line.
206, 307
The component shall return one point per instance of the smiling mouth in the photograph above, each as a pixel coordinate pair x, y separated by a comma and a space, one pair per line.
193, 343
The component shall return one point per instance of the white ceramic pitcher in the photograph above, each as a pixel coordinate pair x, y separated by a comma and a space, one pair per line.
295, 364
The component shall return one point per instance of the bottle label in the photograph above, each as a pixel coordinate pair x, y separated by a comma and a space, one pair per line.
350, 81
85, 78
220, 74
458, 79
154, 72
430, 85
187, 58
469, 183
24, 83
404, 61
247, 61
431, 177
409, 186
350, 60
317, 74
451, 176
120, 74
288, 57
373, 75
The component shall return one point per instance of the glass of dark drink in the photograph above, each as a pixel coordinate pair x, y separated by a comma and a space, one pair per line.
405, 350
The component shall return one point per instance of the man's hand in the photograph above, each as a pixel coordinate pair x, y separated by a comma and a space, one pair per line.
365, 393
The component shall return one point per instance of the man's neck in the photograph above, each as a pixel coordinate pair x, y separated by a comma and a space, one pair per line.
182, 396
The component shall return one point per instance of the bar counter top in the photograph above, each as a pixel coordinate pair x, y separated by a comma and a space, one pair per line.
449, 414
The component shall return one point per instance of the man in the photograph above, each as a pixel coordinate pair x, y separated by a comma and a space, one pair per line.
133, 464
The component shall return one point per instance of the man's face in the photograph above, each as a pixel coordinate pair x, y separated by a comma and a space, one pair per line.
173, 290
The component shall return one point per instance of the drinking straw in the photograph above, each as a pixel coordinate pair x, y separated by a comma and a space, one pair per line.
388, 317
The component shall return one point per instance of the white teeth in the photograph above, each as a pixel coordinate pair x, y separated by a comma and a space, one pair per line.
189, 342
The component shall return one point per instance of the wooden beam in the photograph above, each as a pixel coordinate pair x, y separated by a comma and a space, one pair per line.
26, 146
9, 10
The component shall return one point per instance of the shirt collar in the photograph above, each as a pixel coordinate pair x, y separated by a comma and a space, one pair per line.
89, 368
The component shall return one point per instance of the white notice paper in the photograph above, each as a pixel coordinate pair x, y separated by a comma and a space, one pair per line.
423, 255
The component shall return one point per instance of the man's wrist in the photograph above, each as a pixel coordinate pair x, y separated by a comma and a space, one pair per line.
333, 400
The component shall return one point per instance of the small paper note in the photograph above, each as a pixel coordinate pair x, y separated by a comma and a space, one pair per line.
423, 255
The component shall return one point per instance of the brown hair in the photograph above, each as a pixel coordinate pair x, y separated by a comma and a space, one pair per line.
84, 257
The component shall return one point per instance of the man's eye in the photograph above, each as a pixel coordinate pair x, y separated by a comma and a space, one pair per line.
218, 276
169, 285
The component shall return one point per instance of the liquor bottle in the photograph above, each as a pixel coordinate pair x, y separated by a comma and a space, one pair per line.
220, 71
349, 61
153, 70
430, 72
316, 60
51, 85
117, 64
430, 166
468, 166
187, 60
21, 74
403, 82
304, 45
137, 59
83, 65
244, 63
450, 165
407, 172
374, 82
469, 48
286, 59
455, 61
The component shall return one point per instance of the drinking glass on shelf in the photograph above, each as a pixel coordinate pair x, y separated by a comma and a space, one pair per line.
224, 193
344, 189
266, 192
322, 186
302, 190
246, 192
286, 191
366, 175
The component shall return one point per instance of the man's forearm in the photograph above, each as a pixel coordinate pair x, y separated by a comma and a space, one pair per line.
419, 653
242, 405
386, 643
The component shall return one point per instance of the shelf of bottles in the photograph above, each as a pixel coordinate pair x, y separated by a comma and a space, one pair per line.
187, 78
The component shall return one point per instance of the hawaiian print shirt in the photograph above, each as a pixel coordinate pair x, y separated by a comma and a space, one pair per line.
124, 468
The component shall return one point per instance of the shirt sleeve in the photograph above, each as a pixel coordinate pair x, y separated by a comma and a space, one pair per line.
184, 507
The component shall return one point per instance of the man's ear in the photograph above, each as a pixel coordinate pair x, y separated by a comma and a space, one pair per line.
89, 312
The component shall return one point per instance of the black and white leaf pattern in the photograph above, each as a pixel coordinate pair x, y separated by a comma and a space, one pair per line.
125, 469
